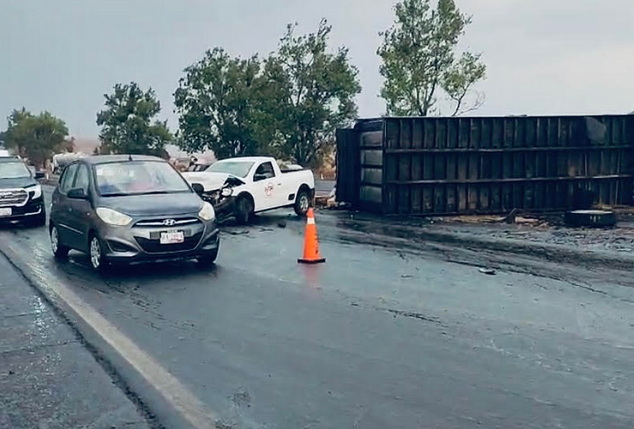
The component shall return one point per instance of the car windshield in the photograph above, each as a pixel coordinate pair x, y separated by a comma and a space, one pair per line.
235, 168
138, 178
14, 170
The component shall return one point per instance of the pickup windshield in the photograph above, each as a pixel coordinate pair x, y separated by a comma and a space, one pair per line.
14, 170
235, 168
138, 178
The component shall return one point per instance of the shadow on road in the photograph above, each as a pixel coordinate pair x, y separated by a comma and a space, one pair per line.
177, 270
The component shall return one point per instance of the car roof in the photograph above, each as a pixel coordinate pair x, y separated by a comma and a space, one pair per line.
105, 159
248, 159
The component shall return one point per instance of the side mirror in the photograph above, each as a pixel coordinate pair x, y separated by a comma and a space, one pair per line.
39, 175
77, 194
198, 188
259, 177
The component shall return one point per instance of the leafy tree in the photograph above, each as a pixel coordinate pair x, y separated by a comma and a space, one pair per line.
419, 59
35, 137
312, 91
128, 124
216, 102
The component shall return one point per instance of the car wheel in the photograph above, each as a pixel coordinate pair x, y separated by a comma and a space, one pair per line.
207, 260
244, 210
59, 250
95, 253
302, 203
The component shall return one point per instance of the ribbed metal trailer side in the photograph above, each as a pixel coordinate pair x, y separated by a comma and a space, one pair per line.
436, 166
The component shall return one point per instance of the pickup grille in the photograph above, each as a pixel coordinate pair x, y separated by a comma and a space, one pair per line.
13, 197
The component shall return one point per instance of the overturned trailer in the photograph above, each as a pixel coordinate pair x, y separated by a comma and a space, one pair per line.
443, 166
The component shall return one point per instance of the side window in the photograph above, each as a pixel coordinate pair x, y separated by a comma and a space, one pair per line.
264, 171
82, 181
68, 178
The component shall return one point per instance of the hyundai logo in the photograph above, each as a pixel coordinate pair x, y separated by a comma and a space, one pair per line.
169, 222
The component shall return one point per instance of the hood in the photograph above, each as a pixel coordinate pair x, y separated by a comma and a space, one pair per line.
210, 181
21, 182
155, 205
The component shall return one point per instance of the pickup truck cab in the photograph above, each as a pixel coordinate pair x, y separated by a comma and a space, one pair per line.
249, 185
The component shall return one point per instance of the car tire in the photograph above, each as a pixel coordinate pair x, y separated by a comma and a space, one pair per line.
244, 210
208, 260
95, 254
60, 251
302, 203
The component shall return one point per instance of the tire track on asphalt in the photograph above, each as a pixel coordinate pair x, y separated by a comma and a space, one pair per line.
169, 387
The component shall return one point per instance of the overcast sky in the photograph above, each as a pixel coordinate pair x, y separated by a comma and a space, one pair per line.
543, 56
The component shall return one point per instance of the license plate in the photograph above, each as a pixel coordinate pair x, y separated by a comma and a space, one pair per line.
172, 237
6, 212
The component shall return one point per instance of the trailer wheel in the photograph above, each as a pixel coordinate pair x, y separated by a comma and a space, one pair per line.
590, 218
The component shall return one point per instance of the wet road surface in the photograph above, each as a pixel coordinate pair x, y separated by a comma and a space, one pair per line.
378, 337
48, 379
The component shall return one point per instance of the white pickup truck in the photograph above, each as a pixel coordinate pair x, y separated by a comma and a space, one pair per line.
241, 187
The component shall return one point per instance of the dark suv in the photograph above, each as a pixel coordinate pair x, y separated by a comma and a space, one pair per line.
20, 193
129, 208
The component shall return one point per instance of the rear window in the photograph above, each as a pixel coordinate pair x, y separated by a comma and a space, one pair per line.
138, 178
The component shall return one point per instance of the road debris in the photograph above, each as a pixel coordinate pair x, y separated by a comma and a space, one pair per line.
590, 218
510, 218
487, 271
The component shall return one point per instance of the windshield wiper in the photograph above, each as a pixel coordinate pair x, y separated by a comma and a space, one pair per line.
131, 194
153, 193
116, 194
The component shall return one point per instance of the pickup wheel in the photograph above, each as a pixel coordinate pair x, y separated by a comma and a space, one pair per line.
244, 210
302, 202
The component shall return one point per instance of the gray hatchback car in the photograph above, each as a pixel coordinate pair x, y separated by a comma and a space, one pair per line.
129, 209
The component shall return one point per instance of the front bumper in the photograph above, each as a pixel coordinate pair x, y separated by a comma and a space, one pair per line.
223, 206
135, 244
32, 208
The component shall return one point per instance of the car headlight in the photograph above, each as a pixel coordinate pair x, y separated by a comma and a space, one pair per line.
207, 212
113, 217
226, 192
36, 191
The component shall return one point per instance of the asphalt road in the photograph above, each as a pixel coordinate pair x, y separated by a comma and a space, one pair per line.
378, 337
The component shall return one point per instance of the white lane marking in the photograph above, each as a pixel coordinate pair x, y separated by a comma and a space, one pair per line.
174, 392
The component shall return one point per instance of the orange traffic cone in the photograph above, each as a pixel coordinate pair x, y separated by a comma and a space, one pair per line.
311, 243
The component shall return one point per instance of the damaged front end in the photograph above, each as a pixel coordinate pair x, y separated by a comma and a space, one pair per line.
223, 199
